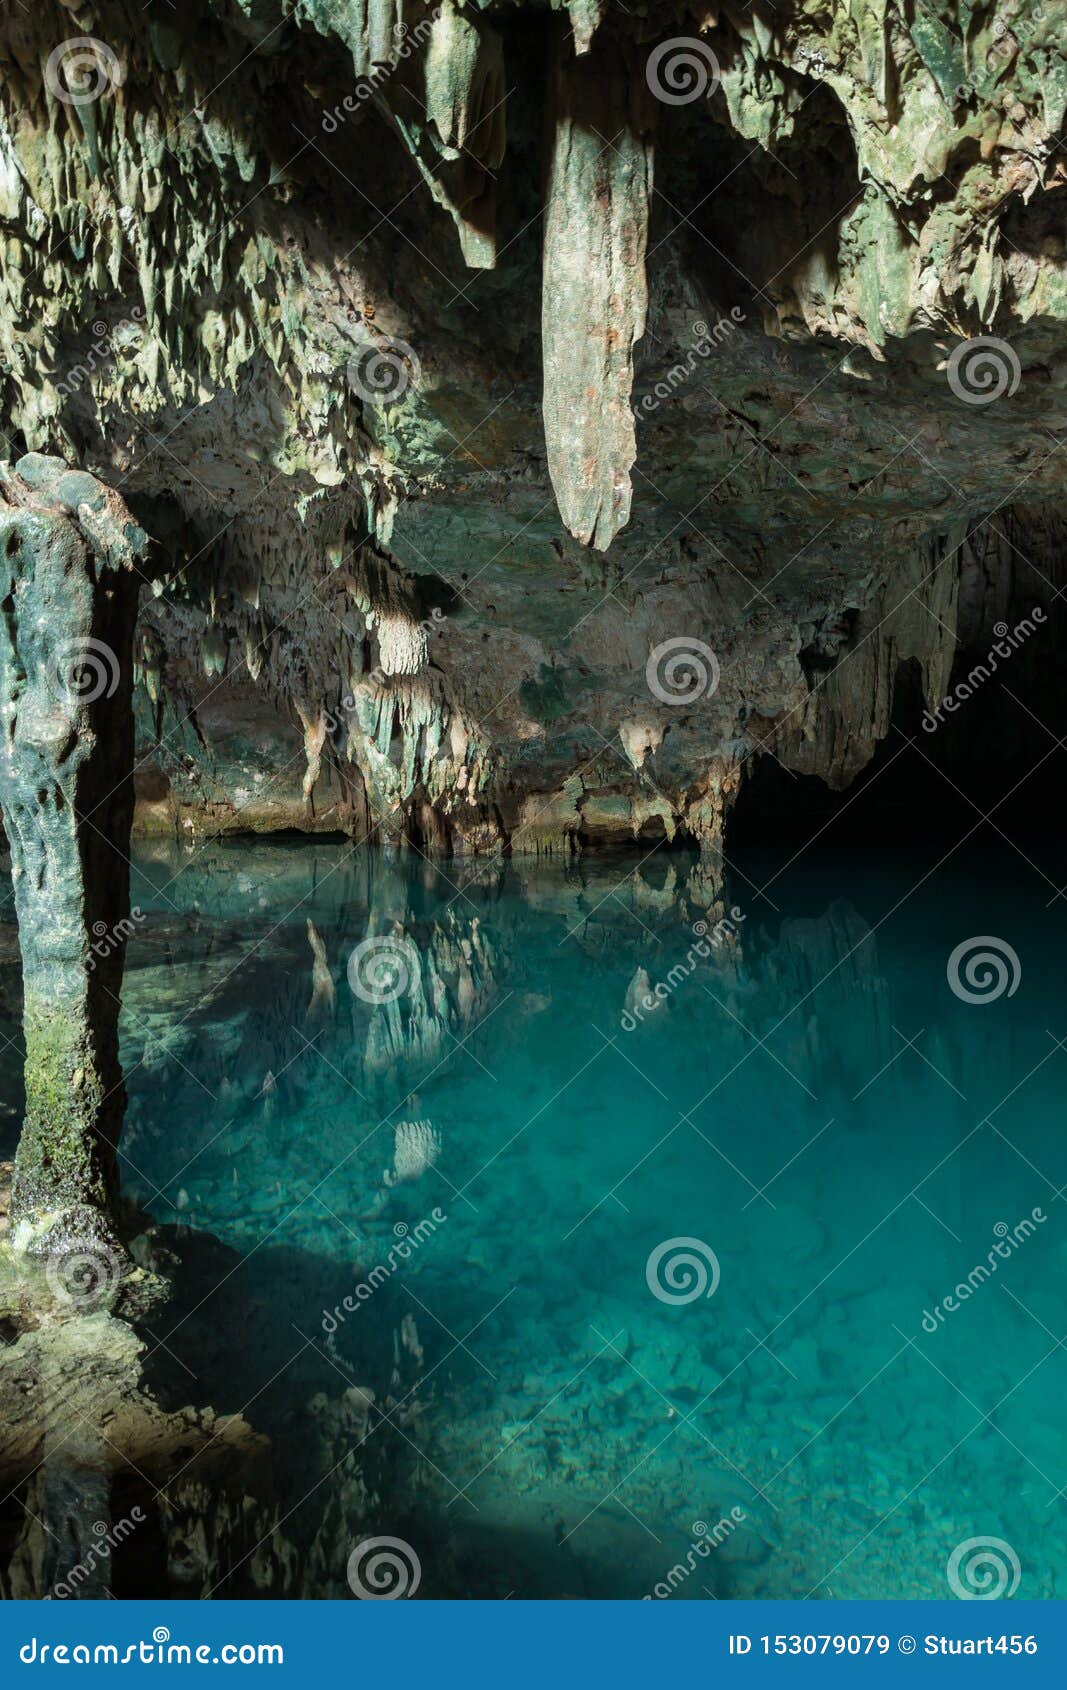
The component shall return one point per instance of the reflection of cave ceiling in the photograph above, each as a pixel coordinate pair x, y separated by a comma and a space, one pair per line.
460, 360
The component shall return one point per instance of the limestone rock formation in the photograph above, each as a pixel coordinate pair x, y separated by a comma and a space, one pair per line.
70, 581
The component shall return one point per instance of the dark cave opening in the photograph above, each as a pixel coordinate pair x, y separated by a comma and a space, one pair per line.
930, 778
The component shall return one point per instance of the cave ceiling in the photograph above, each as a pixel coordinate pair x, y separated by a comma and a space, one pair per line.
464, 363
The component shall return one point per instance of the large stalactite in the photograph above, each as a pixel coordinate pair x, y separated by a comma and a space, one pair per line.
594, 289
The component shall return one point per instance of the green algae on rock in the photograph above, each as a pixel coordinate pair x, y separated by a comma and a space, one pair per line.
70, 552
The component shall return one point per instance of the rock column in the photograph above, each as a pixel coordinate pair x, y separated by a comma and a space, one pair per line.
69, 551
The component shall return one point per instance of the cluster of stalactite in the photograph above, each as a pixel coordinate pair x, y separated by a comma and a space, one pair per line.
173, 268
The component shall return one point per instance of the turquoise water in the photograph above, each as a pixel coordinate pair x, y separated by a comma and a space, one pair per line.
841, 1137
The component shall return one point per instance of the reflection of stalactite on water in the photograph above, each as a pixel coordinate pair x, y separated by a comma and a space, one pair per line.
452, 993
323, 1004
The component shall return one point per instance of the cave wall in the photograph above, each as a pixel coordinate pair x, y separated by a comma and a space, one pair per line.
542, 412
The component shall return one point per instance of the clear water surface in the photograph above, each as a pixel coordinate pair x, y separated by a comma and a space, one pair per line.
568, 1401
